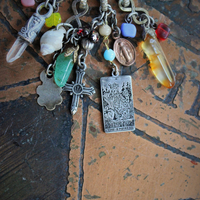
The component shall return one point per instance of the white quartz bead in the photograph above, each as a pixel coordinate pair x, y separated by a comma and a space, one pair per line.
105, 30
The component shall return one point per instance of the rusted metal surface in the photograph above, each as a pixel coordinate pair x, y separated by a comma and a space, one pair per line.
54, 155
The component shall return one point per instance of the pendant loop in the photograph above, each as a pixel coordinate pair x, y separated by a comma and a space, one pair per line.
42, 5
115, 71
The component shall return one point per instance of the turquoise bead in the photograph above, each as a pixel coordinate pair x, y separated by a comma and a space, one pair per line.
63, 69
109, 55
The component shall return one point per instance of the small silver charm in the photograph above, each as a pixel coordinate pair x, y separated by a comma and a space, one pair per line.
117, 104
71, 50
78, 89
49, 93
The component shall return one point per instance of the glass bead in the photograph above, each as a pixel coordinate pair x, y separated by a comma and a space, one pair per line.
162, 31
128, 30
28, 3
109, 55
105, 30
53, 20
80, 32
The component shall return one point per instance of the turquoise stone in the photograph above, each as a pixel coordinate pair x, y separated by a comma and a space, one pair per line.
63, 69
109, 55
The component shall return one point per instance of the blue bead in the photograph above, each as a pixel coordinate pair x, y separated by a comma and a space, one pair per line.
109, 55
128, 30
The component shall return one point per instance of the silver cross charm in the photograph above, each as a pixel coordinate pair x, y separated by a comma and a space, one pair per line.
78, 89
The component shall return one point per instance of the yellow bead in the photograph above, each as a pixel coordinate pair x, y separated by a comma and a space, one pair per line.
53, 20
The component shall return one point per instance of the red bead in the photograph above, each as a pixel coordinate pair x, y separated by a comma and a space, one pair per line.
162, 31
80, 31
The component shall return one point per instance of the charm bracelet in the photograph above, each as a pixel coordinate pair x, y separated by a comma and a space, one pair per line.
116, 90
77, 41
71, 45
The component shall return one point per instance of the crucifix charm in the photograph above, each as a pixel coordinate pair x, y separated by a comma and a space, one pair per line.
78, 89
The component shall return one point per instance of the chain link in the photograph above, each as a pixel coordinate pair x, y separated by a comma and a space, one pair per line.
139, 15
104, 5
54, 3
126, 3
81, 61
115, 71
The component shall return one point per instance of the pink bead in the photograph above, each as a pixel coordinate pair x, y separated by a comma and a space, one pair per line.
28, 3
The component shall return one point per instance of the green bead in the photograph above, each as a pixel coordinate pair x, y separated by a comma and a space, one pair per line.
63, 69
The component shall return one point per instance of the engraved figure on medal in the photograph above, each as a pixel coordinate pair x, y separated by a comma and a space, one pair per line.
117, 104
125, 52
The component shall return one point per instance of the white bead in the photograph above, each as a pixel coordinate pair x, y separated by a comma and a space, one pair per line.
105, 30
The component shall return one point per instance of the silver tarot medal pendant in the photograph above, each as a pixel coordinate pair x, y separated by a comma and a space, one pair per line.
117, 103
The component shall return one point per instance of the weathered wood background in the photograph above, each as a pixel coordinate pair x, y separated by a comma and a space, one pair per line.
53, 155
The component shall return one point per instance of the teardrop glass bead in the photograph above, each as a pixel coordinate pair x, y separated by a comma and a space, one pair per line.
158, 61
63, 69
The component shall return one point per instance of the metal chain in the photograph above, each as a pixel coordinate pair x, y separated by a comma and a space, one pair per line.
50, 68
81, 61
77, 15
103, 19
139, 15
126, 3
104, 5
71, 34
54, 3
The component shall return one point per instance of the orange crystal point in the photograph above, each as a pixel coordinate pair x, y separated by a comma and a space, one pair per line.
158, 61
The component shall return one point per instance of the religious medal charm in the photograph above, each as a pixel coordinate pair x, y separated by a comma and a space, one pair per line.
125, 52
151, 46
77, 89
28, 33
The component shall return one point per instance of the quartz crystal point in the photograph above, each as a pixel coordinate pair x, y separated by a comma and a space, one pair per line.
63, 69
17, 49
158, 61
29, 32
